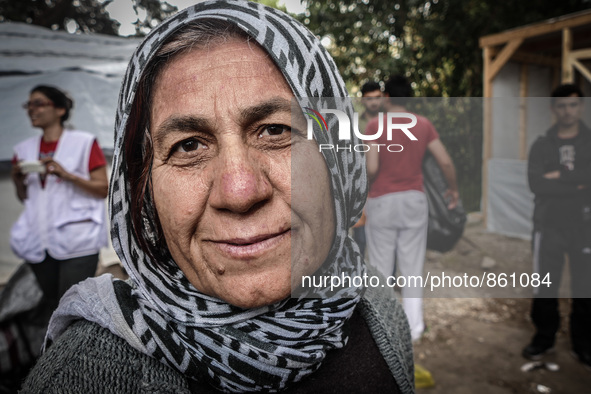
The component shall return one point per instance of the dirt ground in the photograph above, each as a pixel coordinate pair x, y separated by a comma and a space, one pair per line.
473, 345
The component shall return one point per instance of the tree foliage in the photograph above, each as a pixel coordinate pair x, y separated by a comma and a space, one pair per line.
156, 12
83, 16
359, 34
272, 3
88, 15
433, 42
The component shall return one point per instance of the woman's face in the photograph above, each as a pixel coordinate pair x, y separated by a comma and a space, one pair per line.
224, 147
42, 111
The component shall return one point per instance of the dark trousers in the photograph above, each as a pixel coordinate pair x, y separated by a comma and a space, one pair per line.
57, 276
550, 246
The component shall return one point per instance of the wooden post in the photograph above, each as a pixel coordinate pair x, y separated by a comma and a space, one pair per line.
567, 46
523, 96
487, 129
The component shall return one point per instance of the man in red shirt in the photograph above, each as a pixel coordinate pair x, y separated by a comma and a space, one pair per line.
396, 208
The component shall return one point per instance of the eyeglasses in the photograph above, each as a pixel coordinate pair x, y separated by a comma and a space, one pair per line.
36, 104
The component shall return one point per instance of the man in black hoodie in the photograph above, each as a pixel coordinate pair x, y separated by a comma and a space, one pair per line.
559, 174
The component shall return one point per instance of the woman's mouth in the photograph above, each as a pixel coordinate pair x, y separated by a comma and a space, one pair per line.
251, 247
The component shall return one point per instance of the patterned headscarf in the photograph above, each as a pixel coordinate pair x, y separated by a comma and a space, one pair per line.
159, 312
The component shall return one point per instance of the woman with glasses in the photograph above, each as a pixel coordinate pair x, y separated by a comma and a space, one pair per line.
61, 178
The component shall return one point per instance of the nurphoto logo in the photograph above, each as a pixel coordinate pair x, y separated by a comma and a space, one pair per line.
392, 125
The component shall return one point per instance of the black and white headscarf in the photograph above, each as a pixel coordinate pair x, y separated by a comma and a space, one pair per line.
159, 312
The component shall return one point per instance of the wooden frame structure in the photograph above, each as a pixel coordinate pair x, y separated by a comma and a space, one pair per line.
562, 44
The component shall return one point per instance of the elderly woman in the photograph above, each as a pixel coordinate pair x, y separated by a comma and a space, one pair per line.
219, 205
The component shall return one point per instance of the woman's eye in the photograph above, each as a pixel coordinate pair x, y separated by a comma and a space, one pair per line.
189, 145
275, 129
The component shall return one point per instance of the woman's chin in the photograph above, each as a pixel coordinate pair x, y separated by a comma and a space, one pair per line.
261, 298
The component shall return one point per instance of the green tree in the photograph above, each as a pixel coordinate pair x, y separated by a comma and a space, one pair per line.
433, 42
360, 34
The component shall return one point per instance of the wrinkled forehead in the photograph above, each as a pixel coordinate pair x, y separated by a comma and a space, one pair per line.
234, 80
237, 58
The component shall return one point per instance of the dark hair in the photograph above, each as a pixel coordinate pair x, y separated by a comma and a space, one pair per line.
59, 98
398, 86
565, 90
138, 148
370, 86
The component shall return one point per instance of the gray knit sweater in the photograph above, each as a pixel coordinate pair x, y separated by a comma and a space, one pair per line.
89, 359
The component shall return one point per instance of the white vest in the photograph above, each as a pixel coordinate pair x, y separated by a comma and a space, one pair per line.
61, 218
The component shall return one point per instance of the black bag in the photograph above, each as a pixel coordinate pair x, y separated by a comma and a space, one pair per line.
446, 226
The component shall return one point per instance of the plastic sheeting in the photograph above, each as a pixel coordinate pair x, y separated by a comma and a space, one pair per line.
89, 67
510, 202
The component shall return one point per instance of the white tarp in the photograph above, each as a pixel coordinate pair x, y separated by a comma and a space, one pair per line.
89, 67
510, 202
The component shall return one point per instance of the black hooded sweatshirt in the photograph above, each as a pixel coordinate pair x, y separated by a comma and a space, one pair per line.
563, 202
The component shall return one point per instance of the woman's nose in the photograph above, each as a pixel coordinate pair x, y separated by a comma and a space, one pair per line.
241, 181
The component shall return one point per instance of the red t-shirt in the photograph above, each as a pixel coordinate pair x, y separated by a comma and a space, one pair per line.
47, 149
401, 171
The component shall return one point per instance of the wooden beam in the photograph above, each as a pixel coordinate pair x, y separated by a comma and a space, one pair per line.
523, 95
582, 69
503, 57
581, 54
521, 56
537, 29
487, 60
567, 46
